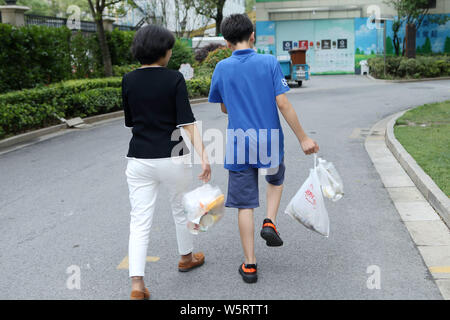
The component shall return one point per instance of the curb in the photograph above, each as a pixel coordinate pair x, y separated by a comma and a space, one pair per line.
33, 136
428, 232
432, 193
407, 80
30, 136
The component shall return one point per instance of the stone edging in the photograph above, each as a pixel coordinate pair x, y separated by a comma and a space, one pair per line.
407, 80
36, 134
434, 195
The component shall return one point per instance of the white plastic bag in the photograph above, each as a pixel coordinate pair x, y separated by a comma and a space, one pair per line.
330, 181
308, 207
204, 207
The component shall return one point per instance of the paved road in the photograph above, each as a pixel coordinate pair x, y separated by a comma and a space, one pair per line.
64, 202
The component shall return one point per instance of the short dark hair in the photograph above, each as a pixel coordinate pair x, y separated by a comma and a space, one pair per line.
236, 28
151, 43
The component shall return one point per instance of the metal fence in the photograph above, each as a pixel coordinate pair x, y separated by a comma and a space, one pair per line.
124, 28
85, 26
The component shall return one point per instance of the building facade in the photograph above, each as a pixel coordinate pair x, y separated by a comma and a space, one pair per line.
339, 34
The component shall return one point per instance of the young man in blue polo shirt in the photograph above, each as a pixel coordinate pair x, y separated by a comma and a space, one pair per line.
250, 87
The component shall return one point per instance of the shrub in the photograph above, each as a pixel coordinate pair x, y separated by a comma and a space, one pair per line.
402, 67
97, 101
22, 116
83, 65
120, 47
443, 64
33, 55
215, 56
40, 107
120, 71
410, 68
392, 65
181, 53
202, 53
376, 67
59, 94
428, 67
198, 87
202, 71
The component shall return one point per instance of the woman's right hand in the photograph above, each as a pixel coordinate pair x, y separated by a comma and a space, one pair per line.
205, 176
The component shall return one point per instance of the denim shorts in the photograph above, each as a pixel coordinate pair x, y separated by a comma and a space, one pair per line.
243, 191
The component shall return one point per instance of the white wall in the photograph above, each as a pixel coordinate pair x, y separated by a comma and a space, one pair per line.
263, 8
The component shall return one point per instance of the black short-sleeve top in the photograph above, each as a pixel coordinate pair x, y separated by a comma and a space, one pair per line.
155, 103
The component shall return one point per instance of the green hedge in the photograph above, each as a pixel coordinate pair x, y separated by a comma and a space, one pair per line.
82, 49
120, 71
181, 53
87, 57
33, 55
38, 55
120, 47
402, 67
198, 87
97, 101
119, 44
57, 93
15, 118
39, 107
36, 108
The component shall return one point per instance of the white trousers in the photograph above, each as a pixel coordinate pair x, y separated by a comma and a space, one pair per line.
144, 177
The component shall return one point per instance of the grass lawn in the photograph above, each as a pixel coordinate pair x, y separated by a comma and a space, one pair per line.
425, 134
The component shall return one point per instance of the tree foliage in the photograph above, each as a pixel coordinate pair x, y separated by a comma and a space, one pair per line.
98, 8
54, 8
212, 9
412, 13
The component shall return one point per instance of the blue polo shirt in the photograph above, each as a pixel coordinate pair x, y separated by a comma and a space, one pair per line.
248, 83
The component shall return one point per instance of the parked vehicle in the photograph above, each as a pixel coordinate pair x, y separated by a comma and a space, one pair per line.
294, 66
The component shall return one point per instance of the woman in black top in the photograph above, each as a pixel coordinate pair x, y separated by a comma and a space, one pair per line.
156, 105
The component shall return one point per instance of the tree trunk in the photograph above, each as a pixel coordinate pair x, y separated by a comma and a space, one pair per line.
403, 46
106, 56
396, 45
219, 17
410, 39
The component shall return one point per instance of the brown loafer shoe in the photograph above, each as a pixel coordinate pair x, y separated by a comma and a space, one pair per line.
194, 263
140, 295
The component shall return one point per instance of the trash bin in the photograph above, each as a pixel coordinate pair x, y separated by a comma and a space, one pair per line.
364, 67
